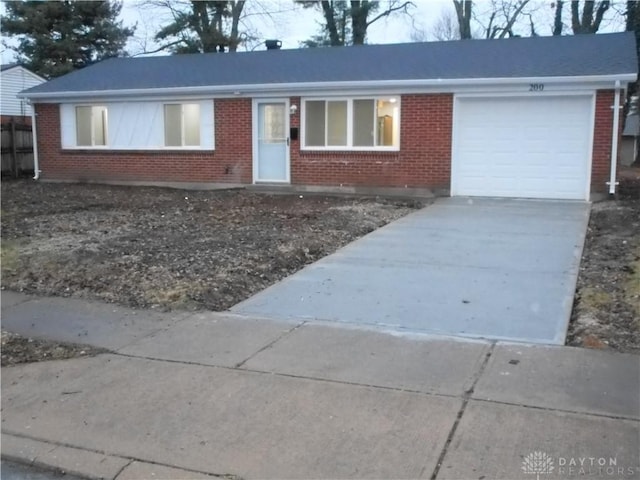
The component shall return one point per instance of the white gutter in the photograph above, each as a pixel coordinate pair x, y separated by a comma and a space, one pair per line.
292, 87
614, 139
36, 164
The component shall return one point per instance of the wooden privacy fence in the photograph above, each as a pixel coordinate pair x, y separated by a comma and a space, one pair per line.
16, 148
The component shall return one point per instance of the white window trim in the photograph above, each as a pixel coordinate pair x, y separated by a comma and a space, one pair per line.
349, 147
182, 129
93, 146
72, 144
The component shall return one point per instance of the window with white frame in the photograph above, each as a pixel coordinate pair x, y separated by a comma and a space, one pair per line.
91, 126
352, 124
182, 125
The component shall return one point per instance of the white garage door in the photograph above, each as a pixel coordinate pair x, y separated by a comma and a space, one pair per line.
533, 147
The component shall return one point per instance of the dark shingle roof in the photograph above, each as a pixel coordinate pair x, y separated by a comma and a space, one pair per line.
579, 55
7, 66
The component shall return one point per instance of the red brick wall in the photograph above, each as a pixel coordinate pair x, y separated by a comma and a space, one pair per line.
602, 140
230, 162
424, 159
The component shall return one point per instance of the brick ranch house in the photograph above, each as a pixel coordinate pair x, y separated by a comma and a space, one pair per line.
523, 117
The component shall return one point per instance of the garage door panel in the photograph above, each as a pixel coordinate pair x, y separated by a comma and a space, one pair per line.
537, 147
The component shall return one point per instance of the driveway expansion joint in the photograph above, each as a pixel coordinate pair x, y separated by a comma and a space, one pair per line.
560, 410
124, 467
466, 396
290, 375
465, 401
154, 332
270, 344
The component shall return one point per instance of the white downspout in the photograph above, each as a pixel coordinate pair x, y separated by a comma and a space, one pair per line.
614, 139
36, 164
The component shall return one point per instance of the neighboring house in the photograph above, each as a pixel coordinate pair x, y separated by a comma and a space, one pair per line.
523, 117
15, 78
629, 143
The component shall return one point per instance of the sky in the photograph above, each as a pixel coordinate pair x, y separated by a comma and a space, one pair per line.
293, 24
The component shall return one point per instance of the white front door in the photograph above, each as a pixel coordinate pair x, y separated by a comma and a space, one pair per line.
536, 146
271, 141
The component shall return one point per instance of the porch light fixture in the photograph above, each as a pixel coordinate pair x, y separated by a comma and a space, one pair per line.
293, 109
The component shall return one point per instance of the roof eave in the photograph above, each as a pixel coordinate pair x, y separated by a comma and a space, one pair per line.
291, 88
26, 70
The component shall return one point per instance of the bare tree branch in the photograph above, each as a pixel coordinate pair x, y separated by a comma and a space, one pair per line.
508, 28
164, 47
446, 27
586, 23
390, 10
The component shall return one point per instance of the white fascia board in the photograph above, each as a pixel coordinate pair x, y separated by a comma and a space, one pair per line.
26, 71
34, 75
290, 89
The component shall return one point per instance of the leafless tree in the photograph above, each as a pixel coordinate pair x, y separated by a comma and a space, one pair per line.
365, 13
557, 18
591, 17
495, 19
501, 17
203, 26
446, 27
342, 19
464, 9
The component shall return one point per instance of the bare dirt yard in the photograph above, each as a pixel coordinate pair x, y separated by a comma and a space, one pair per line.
606, 311
172, 249
163, 248
18, 349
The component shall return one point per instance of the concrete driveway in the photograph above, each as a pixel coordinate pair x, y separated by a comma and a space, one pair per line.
485, 268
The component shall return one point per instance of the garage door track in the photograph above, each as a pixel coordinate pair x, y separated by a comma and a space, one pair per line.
501, 269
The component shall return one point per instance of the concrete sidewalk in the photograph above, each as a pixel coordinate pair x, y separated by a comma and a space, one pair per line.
219, 394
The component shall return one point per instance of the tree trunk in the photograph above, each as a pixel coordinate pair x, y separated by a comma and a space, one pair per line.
586, 23
557, 19
330, 19
359, 14
236, 13
633, 25
463, 12
509, 27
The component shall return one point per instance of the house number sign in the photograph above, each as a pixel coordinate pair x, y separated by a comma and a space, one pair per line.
536, 87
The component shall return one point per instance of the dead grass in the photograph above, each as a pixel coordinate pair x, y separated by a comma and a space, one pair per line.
180, 296
595, 299
632, 287
152, 247
8, 257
